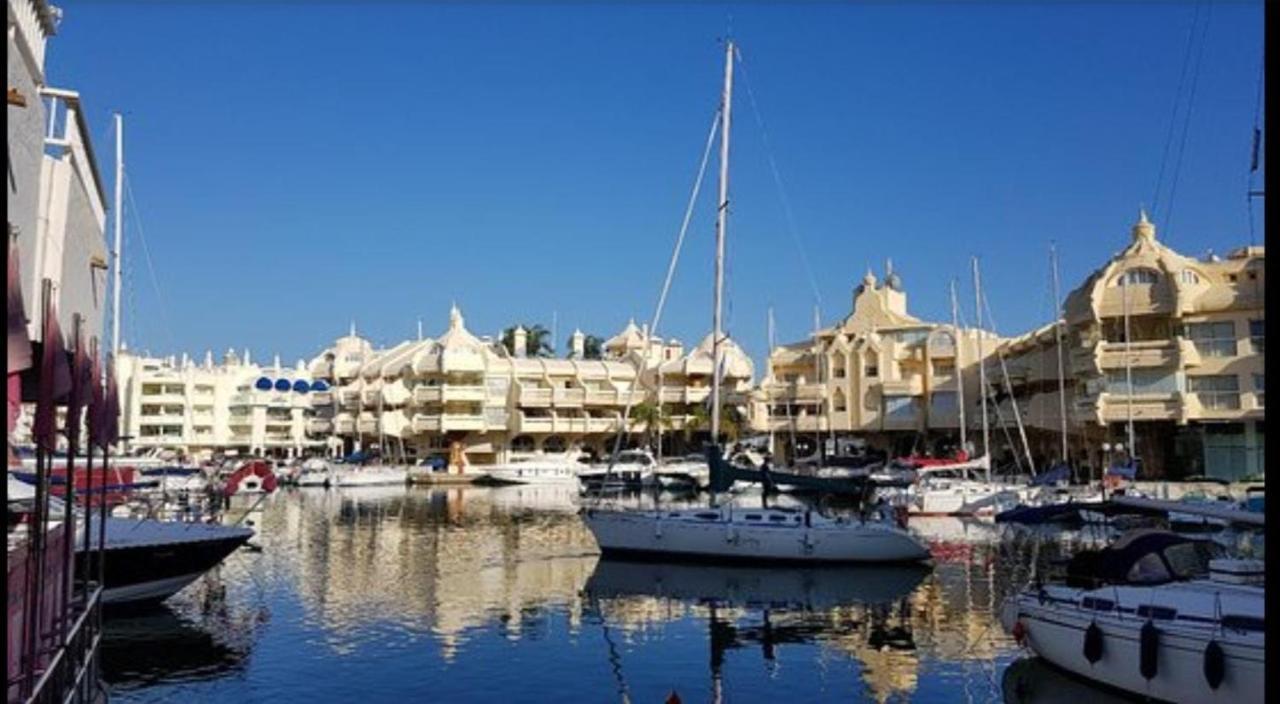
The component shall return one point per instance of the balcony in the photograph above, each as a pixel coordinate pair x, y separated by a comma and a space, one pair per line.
533, 424
319, 426
321, 398
1114, 408
423, 395
446, 422
1147, 353
369, 396
689, 394
344, 425
348, 396
164, 397
367, 425
534, 397
573, 398
911, 386
600, 397
602, 425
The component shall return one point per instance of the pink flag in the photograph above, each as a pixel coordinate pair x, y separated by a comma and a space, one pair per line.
111, 420
19, 344
54, 383
81, 392
97, 404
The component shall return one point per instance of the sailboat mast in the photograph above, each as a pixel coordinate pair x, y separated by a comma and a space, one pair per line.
119, 225
1128, 363
1062, 378
955, 328
768, 408
982, 367
722, 222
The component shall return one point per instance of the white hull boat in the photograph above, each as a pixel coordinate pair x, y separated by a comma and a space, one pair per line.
743, 534
962, 497
1153, 632
632, 468
371, 476
562, 469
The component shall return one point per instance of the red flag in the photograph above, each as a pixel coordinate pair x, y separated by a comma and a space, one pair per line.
81, 393
19, 344
54, 384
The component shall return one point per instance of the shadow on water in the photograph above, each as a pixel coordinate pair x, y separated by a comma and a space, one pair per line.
1032, 680
146, 646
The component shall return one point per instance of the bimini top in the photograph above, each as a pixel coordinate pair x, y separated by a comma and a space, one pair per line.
1144, 556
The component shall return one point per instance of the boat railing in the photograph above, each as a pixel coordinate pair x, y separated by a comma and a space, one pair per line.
73, 675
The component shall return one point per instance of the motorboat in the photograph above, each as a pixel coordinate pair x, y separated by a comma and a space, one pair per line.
145, 560
1157, 614
314, 472
953, 489
561, 468
690, 471
371, 475
253, 477
631, 468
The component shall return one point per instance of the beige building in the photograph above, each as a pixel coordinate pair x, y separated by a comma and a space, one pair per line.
418, 398
202, 409
879, 374
1170, 343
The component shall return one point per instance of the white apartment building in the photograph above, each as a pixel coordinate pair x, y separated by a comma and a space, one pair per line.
204, 409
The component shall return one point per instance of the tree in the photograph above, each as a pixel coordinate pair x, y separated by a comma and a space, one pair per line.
592, 347
652, 416
536, 340
699, 421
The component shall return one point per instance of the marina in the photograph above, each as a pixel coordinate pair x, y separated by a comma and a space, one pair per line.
900, 504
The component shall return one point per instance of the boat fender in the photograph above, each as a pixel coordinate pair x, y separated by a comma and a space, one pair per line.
1148, 650
1019, 632
657, 530
1215, 666
900, 514
1093, 643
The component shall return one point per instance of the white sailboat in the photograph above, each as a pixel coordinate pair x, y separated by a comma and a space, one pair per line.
735, 533
556, 468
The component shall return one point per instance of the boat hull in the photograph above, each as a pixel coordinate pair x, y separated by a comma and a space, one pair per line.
154, 572
656, 535
368, 478
1057, 635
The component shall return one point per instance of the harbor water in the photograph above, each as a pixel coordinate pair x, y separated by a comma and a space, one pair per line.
473, 594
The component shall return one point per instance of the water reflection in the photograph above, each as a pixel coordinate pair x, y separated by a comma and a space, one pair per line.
1031, 680
480, 593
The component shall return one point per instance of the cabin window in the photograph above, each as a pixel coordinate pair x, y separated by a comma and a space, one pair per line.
753, 517
777, 519
1189, 277
1096, 604
1163, 613
1243, 623
707, 516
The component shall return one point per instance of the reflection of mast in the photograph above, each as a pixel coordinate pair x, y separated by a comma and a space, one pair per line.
721, 637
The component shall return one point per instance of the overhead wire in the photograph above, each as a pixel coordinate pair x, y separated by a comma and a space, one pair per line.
1186, 121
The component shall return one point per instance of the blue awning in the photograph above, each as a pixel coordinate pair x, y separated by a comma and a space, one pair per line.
282, 384
318, 385
301, 386
262, 384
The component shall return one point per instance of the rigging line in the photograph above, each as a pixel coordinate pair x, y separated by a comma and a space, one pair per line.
777, 180
1177, 101
1186, 122
155, 285
1256, 144
1013, 399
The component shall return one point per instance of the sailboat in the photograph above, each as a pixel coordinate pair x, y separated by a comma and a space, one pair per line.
742, 534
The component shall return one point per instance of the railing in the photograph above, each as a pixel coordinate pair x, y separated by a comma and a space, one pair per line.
1140, 353
535, 397
73, 674
1219, 400
569, 397
321, 398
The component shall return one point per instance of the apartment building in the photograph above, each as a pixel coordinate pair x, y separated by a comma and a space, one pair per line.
1169, 344
233, 408
880, 374
420, 397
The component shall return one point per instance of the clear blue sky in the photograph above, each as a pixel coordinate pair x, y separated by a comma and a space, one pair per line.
297, 165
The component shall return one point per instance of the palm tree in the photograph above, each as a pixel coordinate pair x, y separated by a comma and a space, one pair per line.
652, 416
699, 421
536, 337
592, 347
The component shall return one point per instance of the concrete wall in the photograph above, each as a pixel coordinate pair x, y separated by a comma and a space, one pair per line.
24, 151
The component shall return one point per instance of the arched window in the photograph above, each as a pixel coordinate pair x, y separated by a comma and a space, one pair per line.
1138, 276
522, 443
871, 363
555, 443
1188, 277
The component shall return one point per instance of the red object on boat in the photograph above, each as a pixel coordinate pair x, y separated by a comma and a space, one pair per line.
256, 468
921, 461
117, 480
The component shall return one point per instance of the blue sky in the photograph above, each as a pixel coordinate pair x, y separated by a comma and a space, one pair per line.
297, 166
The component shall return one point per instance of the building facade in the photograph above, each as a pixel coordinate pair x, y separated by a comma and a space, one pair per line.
425, 397
880, 374
202, 410
1171, 345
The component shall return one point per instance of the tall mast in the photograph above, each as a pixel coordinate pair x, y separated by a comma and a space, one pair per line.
1128, 366
982, 367
955, 329
119, 223
1062, 378
768, 408
722, 222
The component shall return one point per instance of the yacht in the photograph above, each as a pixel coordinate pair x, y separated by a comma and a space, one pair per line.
1156, 614
631, 468
314, 472
371, 475
690, 471
954, 489
145, 560
559, 468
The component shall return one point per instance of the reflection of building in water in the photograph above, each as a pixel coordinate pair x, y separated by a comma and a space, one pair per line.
444, 561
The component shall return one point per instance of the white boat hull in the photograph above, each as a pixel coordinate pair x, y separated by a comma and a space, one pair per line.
564, 477
1057, 634
368, 477
683, 534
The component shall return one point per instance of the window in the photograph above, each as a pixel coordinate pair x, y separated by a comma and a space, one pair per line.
873, 370
1217, 392
839, 404
910, 337
943, 367
901, 408
1145, 381
1258, 388
838, 372
1189, 277
1138, 276
1213, 339
1258, 335
943, 404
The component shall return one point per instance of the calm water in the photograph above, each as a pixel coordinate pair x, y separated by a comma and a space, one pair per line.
481, 594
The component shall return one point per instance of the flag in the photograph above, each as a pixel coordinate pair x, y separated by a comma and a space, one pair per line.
19, 345
54, 383
111, 409
81, 391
